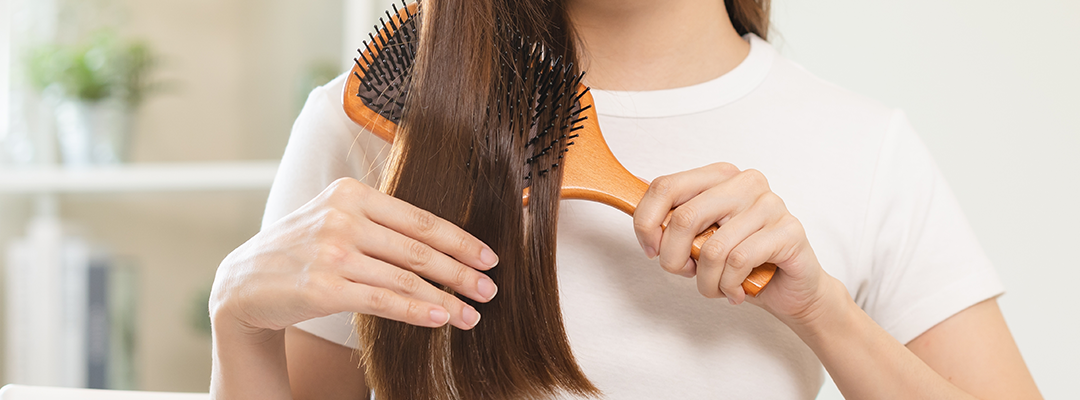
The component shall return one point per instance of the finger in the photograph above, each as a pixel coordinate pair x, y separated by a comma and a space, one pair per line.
714, 205
377, 273
690, 219
714, 253
762, 246
418, 224
382, 302
412, 255
667, 192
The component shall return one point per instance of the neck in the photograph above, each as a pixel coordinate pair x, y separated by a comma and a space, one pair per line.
636, 45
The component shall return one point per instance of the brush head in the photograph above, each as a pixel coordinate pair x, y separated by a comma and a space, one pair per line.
385, 61
537, 99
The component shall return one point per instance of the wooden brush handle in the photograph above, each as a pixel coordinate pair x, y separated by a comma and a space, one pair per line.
593, 173
623, 191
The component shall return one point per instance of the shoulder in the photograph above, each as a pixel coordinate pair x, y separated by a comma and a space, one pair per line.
324, 145
814, 102
323, 112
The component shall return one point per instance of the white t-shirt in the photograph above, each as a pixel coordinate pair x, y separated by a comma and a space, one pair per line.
875, 208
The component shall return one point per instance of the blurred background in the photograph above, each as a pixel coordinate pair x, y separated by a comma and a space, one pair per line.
138, 140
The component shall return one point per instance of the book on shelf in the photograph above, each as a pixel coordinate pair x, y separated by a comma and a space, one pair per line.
71, 311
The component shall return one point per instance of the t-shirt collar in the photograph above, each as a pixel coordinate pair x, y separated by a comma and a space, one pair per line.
715, 93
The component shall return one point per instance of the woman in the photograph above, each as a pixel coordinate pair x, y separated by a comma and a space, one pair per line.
894, 298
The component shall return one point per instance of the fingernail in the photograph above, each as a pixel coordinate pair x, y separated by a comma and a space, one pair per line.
650, 252
488, 257
486, 287
731, 300
470, 316
439, 316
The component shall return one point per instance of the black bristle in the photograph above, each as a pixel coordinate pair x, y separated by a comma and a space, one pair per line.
579, 96
392, 20
535, 95
388, 57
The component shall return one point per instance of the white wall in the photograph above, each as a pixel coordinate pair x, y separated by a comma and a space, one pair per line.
359, 19
5, 60
994, 89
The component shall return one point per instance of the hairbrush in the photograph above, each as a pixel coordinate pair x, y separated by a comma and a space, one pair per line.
374, 98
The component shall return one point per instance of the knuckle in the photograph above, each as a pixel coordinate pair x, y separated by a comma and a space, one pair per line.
683, 218
346, 187
755, 178
663, 185
793, 227
772, 200
738, 258
458, 278
424, 222
419, 256
407, 282
712, 251
726, 169
334, 220
413, 311
378, 300
464, 245
796, 224
331, 254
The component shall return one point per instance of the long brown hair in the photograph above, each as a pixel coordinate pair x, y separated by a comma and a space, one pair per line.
749, 16
462, 151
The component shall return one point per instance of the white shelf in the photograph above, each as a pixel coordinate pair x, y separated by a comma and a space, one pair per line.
143, 177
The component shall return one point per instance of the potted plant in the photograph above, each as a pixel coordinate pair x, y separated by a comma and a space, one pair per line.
96, 85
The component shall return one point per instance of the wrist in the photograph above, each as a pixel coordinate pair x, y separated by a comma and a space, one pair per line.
248, 362
832, 309
226, 326
227, 316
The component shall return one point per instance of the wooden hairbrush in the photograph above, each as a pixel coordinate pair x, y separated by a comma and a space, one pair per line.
374, 98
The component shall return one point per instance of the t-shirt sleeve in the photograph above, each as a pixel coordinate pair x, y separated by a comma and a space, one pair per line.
926, 264
324, 145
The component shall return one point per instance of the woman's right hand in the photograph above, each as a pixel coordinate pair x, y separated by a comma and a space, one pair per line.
353, 249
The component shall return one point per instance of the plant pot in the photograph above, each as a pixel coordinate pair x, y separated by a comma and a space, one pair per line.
93, 133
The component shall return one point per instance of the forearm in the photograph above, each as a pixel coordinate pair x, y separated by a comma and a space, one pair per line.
248, 364
864, 360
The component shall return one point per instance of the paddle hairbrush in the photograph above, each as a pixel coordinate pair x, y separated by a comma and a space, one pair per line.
374, 97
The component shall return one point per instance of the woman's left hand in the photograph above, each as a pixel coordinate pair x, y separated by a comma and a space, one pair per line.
755, 228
